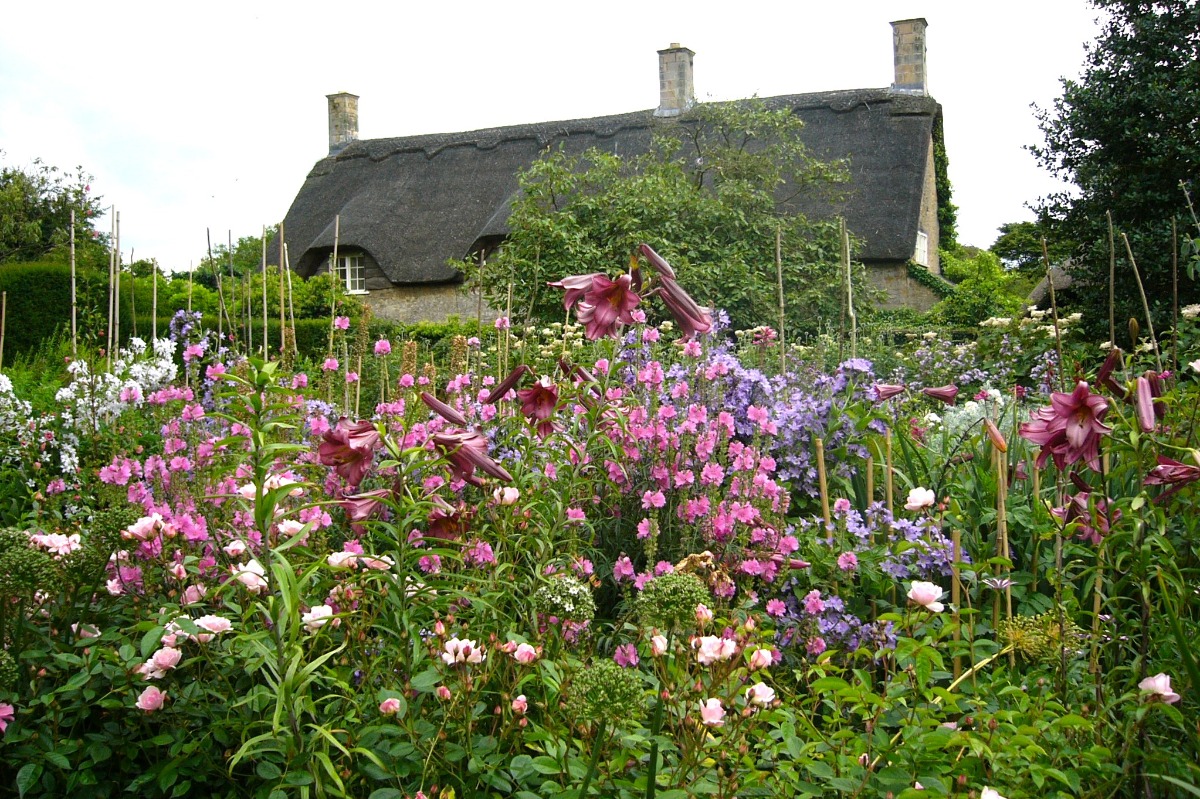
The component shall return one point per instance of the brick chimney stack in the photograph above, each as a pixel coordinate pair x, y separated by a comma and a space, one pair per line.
908, 46
343, 120
675, 90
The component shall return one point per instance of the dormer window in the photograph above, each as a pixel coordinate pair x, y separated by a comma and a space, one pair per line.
921, 254
350, 271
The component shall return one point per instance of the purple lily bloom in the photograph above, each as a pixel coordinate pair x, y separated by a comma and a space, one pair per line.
466, 450
349, 448
945, 394
451, 415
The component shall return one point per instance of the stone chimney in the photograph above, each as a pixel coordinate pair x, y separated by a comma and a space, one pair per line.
675, 90
343, 120
908, 45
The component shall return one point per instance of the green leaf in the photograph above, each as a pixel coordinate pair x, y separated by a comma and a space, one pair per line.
267, 770
151, 640
386, 793
29, 774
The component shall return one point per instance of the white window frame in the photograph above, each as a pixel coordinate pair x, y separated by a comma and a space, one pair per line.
351, 272
921, 253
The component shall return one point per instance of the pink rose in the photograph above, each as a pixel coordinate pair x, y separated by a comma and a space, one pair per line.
1159, 687
389, 706
712, 649
520, 705
214, 624
524, 654
711, 713
761, 659
760, 694
166, 658
658, 645
151, 699
703, 614
926, 595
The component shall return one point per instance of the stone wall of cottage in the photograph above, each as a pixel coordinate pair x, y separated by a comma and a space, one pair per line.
430, 303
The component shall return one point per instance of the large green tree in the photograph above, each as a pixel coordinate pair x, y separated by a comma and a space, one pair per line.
1127, 135
35, 211
709, 195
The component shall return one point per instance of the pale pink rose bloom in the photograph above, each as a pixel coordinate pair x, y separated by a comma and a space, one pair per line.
316, 617
1159, 687
235, 549
990, 793
251, 574
760, 694
712, 649
379, 562
658, 645
520, 705
290, 527
114, 587
761, 659
711, 713
703, 614
166, 658
193, 594
926, 595
178, 571
342, 560
147, 671
214, 624
144, 528
247, 491
919, 499
443, 692
151, 699
506, 495
524, 654
389, 706
462, 651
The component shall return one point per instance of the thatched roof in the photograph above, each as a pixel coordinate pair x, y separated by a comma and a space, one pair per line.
414, 202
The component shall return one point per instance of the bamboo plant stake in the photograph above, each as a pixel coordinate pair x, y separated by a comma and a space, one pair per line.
191, 268
849, 290
109, 330
117, 288
1174, 296
74, 302
956, 594
1145, 305
154, 299
1062, 366
870, 478
3, 323
335, 269
1002, 530
291, 303
887, 470
823, 484
266, 341
220, 295
779, 281
282, 297
358, 388
132, 294
1112, 276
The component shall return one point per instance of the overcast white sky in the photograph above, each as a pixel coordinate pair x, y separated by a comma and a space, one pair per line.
195, 115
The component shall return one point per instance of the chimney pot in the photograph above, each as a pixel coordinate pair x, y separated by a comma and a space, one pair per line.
675, 90
908, 48
343, 120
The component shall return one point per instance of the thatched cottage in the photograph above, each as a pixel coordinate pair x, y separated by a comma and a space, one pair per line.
405, 206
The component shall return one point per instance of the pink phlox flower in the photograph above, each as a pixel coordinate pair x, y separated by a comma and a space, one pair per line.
623, 569
7, 714
330, 365
776, 608
813, 604
653, 499
626, 655
847, 561
341, 322
383, 347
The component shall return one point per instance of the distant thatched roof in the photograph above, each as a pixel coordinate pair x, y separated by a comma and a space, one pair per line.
1061, 275
414, 202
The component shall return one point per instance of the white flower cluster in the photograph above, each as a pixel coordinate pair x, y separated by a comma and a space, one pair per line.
94, 398
959, 420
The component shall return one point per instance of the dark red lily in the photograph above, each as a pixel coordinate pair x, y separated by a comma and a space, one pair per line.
945, 394
1173, 473
538, 404
606, 306
1070, 429
885, 391
1090, 515
450, 414
576, 286
499, 391
1145, 406
360, 507
350, 448
690, 317
466, 450
447, 522
1105, 376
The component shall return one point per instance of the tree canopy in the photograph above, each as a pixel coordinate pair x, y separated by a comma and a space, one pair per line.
1127, 135
35, 210
709, 195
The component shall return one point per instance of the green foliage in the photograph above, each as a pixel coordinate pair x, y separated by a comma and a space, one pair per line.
983, 289
709, 195
35, 212
947, 211
1019, 246
1124, 134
